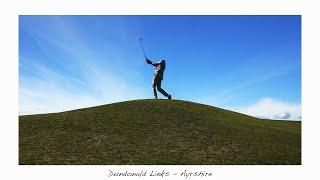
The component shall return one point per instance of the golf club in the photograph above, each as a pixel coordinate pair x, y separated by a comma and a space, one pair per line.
141, 45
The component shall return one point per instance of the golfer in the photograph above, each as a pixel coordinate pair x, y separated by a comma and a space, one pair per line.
158, 77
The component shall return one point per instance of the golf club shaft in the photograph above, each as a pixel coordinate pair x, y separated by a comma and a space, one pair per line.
141, 45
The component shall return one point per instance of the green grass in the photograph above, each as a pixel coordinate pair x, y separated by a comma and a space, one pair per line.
156, 132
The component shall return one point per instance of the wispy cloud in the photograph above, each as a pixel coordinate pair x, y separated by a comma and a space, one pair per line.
45, 89
272, 109
223, 97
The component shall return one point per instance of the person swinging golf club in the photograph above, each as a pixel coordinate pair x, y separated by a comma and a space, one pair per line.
158, 74
158, 77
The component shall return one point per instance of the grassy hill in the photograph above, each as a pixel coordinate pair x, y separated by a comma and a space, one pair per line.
156, 132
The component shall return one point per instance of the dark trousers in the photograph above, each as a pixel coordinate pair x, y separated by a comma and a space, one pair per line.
158, 87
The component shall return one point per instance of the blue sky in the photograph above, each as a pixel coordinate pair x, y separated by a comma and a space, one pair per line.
250, 64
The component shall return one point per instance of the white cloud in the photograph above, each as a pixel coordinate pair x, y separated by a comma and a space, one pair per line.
48, 97
273, 109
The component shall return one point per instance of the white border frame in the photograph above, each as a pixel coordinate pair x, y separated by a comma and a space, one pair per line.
9, 75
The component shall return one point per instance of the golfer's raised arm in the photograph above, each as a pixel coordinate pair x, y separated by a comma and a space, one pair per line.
150, 62
156, 63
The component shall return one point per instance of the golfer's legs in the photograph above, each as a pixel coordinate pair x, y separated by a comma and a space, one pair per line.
154, 91
162, 91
